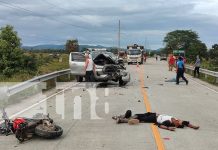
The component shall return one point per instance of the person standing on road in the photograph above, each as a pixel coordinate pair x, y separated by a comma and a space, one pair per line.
171, 62
180, 70
89, 68
197, 66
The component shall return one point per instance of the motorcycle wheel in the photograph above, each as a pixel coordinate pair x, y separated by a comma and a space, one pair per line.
40, 131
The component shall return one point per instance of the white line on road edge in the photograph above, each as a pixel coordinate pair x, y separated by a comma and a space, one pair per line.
205, 86
20, 112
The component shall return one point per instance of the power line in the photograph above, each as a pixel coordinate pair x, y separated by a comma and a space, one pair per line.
9, 5
56, 6
39, 15
13, 6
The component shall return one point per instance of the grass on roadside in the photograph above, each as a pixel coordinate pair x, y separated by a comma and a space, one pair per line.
47, 64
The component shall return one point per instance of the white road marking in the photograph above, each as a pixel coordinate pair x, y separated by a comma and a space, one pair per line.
205, 86
43, 100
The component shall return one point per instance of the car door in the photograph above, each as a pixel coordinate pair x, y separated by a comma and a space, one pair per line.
77, 63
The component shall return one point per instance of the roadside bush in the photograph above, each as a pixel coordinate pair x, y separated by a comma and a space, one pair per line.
213, 55
30, 63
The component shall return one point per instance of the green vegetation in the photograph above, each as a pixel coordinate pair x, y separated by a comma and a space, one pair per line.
188, 40
46, 63
17, 65
72, 46
213, 57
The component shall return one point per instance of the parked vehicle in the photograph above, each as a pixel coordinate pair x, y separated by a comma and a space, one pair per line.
108, 67
163, 57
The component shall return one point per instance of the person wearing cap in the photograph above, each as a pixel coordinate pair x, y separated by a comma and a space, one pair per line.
161, 120
180, 70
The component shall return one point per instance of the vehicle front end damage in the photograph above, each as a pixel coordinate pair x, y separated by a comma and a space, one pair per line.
110, 69
107, 67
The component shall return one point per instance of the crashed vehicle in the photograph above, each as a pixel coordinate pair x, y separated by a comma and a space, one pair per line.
107, 67
24, 128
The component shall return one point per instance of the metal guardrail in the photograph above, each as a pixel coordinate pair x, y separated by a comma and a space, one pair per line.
24, 85
204, 71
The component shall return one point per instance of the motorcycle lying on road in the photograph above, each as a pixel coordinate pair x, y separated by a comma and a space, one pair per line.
24, 128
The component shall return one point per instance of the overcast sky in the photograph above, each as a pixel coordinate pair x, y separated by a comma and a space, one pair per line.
95, 22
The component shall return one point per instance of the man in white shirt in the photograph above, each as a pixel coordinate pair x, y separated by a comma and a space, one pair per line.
162, 121
89, 68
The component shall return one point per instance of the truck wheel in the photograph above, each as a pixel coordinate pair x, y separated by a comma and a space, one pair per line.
79, 78
40, 131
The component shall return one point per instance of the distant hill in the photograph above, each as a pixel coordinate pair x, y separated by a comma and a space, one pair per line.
59, 47
47, 46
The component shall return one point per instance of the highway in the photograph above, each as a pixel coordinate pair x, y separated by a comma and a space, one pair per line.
90, 127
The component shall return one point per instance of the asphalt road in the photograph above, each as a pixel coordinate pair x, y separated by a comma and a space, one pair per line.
90, 127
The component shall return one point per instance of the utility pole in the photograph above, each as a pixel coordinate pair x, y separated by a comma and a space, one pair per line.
119, 37
146, 43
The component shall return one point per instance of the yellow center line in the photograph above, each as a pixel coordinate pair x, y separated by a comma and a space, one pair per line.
155, 131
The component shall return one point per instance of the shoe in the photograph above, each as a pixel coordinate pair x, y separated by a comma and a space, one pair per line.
118, 121
177, 83
114, 117
186, 82
196, 127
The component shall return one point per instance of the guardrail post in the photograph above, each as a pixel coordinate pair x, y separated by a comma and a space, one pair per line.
205, 76
51, 83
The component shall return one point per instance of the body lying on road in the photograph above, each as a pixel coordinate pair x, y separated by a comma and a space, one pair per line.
163, 121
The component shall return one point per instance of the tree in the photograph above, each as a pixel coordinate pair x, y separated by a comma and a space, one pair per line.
72, 45
213, 55
10, 51
114, 50
187, 40
197, 48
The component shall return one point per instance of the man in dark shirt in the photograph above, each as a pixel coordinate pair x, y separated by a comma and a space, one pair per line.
180, 71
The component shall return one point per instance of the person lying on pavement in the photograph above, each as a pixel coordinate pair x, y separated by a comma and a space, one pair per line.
161, 120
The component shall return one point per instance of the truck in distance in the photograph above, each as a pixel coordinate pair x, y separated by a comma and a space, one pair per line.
135, 54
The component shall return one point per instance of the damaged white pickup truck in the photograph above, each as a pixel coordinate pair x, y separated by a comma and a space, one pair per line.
108, 68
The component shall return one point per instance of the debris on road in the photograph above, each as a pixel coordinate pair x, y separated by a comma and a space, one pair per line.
145, 87
166, 138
